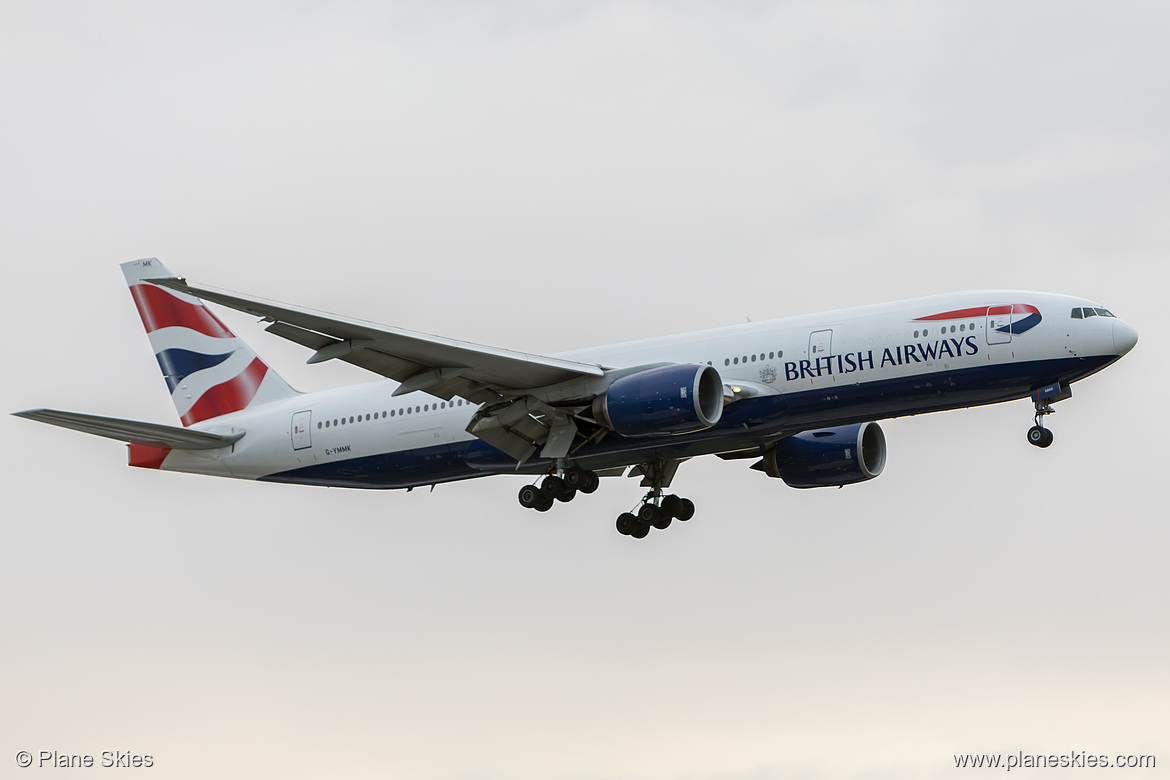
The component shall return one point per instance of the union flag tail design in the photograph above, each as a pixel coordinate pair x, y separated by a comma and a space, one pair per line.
209, 371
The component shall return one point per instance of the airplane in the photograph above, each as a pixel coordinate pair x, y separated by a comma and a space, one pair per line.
799, 396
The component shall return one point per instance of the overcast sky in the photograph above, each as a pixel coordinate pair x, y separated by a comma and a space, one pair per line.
546, 176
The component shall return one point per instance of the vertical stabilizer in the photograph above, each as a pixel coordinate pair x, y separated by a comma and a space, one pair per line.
208, 370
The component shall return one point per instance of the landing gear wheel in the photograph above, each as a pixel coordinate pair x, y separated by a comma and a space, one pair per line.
686, 509
553, 486
576, 478
530, 496
671, 505
626, 523
566, 495
544, 505
652, 515
591, 482
639, 530
1039, 437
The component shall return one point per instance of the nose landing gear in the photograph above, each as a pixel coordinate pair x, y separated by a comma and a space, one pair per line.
1038, 435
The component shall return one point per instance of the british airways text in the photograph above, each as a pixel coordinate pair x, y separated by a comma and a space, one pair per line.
897, 356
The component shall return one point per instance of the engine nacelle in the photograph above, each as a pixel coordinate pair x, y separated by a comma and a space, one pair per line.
828, 458
662, 401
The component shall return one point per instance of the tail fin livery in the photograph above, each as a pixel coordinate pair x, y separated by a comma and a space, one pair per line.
209, 371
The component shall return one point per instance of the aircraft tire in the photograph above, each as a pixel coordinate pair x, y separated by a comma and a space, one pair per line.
671, 505
574, 478
625, 523
552, 486
686, 509
529, 496
653, 515
1039, 437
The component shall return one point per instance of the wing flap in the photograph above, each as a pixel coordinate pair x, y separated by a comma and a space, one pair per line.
132, 431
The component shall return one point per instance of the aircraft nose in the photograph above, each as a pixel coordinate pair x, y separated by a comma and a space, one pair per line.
1124, 336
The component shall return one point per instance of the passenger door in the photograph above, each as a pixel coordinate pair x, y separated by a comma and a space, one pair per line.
820, 344
999, 317
301, 439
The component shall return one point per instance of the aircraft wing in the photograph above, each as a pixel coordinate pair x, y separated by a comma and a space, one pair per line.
132, 431
441, 366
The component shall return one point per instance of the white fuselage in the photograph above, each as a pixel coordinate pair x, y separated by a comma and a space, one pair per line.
851, 365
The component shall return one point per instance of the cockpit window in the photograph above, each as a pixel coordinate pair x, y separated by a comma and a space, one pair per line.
1080, 313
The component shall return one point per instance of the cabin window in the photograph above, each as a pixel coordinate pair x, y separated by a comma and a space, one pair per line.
318, 426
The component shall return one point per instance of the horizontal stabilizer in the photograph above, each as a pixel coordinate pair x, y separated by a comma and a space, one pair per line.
132, 431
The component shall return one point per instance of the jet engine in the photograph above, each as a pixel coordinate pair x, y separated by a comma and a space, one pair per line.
661, 401
828, 458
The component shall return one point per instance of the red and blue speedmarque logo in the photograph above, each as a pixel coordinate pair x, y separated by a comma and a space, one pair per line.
1021, 317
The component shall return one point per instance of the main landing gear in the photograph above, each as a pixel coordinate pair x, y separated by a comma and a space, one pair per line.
562, 487
1038, 435
655, 512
